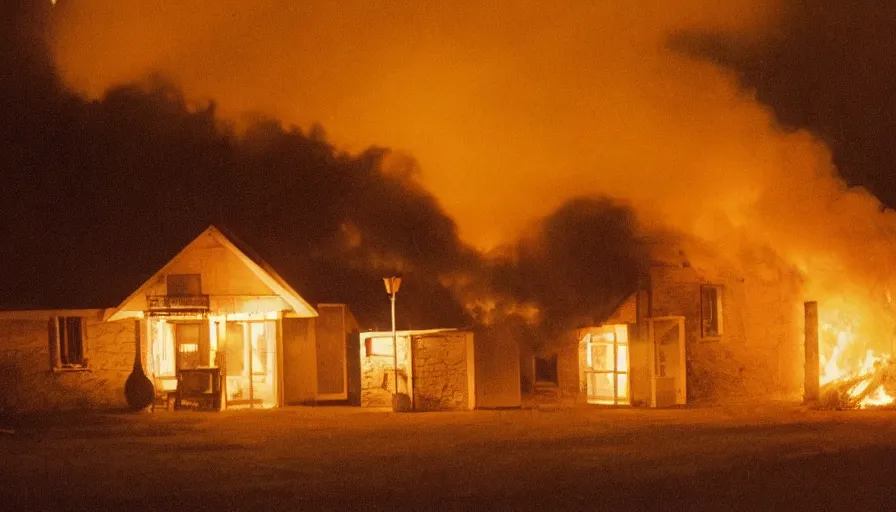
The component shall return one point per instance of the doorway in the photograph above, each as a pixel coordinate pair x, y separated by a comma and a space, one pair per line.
250, 350
667, 366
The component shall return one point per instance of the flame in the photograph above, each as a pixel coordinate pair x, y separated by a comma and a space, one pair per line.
878, 399
839, 370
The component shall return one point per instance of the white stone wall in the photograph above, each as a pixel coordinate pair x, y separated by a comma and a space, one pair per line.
377, 375
30, 383
440, 372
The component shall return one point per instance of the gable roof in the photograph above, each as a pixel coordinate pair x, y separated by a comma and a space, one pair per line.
254, 263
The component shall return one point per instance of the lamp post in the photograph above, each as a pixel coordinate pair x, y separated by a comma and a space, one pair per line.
392, 285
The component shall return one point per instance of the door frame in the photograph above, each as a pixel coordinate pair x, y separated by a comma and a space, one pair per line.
681, 394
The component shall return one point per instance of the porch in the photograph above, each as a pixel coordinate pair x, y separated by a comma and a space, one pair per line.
215, 361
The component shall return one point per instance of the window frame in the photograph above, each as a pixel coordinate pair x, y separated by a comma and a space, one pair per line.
62, 330
718, 310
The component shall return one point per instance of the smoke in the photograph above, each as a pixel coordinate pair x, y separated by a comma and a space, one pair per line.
572, 269
106, 190
511, 108
102, 192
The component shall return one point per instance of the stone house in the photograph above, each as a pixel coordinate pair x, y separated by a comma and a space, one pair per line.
697, 330
435, 368
217, 324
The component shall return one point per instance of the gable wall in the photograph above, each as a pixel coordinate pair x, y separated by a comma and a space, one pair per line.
223, 274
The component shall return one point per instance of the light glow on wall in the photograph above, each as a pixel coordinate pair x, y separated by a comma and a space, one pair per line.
243, 317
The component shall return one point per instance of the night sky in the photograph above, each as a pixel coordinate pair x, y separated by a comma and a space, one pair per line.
106, 180
827, 66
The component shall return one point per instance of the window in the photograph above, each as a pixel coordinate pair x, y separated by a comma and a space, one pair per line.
67, 342
378, 347
710, 311
184, 284
604, 363
546, 370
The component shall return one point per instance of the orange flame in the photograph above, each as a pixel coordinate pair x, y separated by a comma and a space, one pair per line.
839, 368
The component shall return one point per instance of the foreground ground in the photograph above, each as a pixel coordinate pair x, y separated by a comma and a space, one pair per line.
773, 458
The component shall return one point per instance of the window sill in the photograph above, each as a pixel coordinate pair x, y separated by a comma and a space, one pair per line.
73, 369
711, 339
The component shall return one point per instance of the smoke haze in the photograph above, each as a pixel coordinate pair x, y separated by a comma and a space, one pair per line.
512, 108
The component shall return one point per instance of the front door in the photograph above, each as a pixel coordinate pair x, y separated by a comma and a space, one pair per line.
250, 350
668, 370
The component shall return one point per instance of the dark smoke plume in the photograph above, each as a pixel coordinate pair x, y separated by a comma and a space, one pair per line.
575, 268
99, 194
102, 193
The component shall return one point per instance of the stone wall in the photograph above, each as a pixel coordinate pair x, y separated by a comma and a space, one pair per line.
442, 372
377, 374
30, 383
756, 357
440, 378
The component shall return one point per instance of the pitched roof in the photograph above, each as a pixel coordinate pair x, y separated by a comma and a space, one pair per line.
248, 257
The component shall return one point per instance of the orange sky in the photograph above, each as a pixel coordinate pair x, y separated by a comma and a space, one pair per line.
510, 107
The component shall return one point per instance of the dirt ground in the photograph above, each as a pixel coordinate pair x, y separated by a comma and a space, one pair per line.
746, 458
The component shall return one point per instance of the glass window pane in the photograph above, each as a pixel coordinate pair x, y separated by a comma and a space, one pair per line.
622, 358
622, 388
601, 388
602, 357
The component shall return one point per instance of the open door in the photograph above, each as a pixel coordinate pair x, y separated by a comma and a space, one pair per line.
667, 366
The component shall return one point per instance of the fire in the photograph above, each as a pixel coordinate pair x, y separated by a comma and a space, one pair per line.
857, 381
879, 398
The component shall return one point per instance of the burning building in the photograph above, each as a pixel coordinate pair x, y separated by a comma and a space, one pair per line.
696, 330
676, 136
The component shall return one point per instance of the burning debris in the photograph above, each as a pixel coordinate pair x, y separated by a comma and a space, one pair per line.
850, 383
873, 388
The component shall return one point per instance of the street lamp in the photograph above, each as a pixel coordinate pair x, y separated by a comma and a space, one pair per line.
392, 286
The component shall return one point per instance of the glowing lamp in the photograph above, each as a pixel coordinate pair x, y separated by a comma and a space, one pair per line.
392, 284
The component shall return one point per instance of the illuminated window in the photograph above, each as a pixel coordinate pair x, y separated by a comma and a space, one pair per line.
546, 370
710, 311
378, 346
604, 363
184, 284
67, 342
